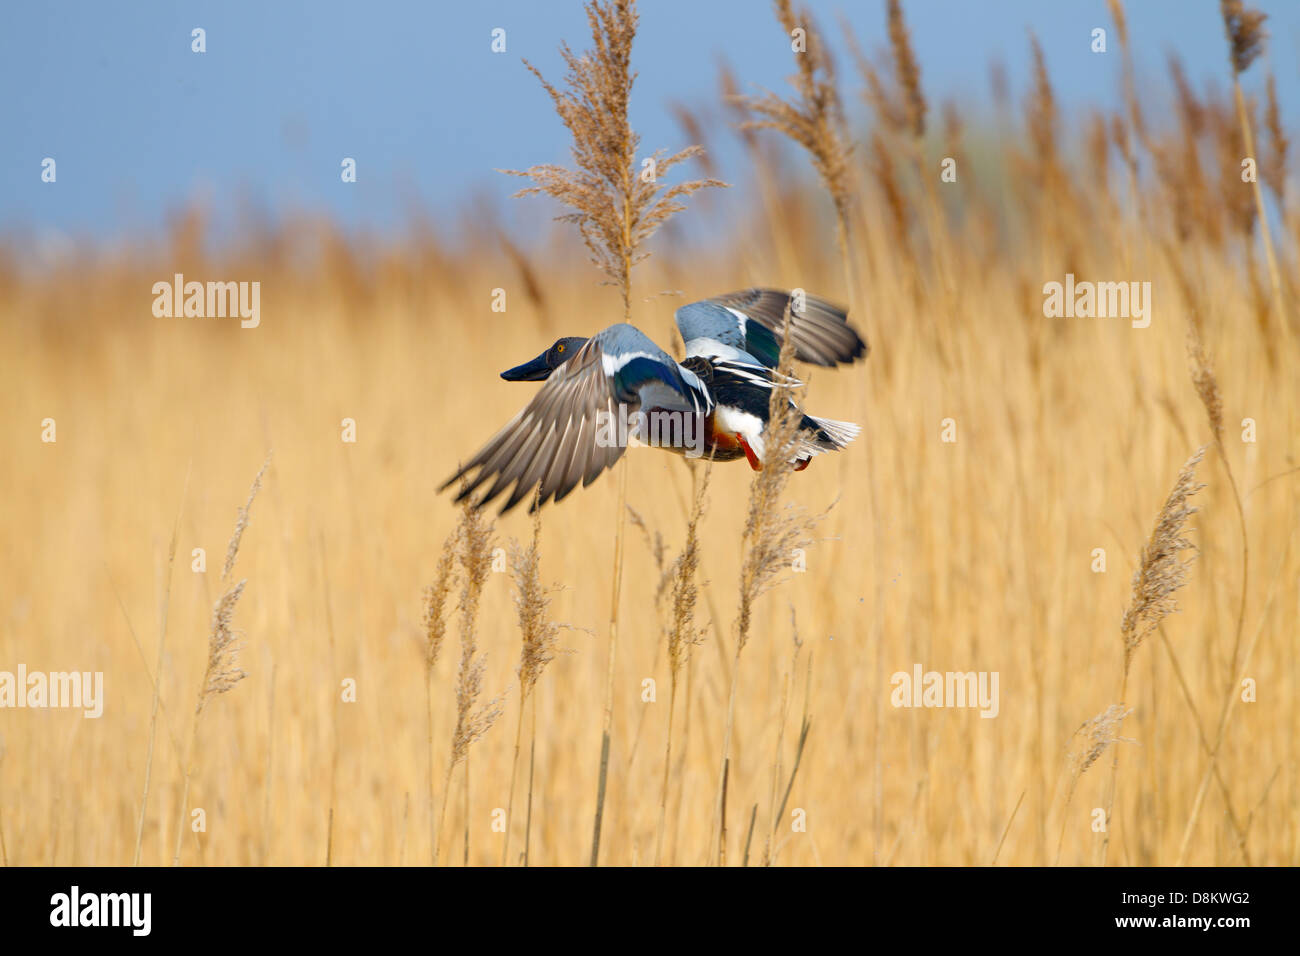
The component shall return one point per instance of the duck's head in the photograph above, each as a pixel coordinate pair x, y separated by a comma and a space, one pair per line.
541, 367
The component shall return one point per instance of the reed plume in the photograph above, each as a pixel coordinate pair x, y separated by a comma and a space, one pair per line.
813, 118
1132, 126
907, 72
1096, 735
435, 631
1089, 742
221, 672
435, 601
1042, 124
682, 632
616, 210
1245, 34
772, 531
474, 551
1245, 30
898, 102
1206, 385
909, 127
772, 535
1161, 573
539, 648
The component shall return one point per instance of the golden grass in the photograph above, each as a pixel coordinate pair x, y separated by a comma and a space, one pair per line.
1068, 433
617, 206
221, 673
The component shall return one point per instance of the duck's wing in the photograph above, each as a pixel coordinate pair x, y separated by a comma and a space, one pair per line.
747, 326
563, 436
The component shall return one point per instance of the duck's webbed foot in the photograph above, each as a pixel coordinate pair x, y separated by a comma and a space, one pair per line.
749, 454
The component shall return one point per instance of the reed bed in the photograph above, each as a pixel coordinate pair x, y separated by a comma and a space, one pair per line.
1014, 548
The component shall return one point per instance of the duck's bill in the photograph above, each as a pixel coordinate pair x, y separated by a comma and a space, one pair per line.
534, 371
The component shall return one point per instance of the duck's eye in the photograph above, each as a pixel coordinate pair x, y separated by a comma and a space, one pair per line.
560, 348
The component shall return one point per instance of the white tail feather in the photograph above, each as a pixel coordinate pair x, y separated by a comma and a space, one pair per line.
841, 433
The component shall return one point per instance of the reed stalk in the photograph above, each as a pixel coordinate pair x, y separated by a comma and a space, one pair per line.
156, 679
616, 210
221, 672
538, 649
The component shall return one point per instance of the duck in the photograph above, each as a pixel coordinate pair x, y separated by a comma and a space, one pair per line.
616, 388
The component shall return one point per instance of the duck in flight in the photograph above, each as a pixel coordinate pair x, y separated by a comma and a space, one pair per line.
719, 393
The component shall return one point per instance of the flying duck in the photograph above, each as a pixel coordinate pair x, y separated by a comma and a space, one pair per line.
603, 392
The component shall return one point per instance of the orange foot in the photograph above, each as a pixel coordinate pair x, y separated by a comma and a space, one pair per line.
749, 454
802, 463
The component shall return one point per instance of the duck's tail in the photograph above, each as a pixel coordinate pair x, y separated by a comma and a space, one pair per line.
821, 435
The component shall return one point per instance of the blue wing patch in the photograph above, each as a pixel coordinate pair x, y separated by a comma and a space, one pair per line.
704, 323
652, 377
638, 372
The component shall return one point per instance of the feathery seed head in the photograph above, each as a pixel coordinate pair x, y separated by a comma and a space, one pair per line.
222, 673
241, 522
773, 532
1096, 734
474, 539
531, 603
814, 118
682, 633
1245, 29
435, 600
1161, 572
907, 72
615, 208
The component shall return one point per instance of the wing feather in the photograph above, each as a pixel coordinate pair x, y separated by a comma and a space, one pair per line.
552, 444
821, 331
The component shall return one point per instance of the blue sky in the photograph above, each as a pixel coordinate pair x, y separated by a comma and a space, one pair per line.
138, 124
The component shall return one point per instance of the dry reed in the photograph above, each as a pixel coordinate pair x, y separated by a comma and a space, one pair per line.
955, 525
1246, 36
221, 673
682, 631
474, 553
773, 535
1161, 573
1206, 385
538, 649
773, 814
435, 631
156, 676
813, 118
616, 210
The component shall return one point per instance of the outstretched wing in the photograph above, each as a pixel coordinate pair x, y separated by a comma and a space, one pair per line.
553, 443
747, 326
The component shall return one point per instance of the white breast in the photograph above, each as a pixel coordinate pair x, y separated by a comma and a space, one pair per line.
733, 421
